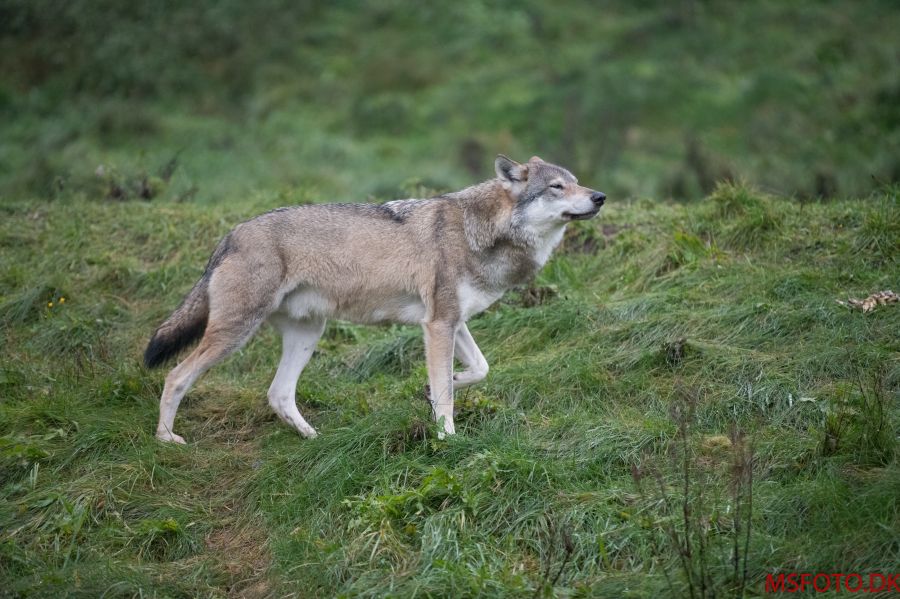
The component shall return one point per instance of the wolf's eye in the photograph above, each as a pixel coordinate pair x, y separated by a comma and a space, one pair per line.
556, 185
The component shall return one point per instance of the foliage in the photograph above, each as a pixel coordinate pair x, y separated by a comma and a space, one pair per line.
350, 98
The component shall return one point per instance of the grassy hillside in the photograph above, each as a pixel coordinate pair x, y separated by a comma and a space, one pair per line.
665, 350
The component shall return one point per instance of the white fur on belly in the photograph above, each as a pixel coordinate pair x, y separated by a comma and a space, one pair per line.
306, 302
405, 310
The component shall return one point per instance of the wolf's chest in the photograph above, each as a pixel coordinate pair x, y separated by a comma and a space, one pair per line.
473, 300
508, 265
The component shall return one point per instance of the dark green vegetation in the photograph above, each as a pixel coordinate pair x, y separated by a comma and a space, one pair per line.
347, 99
668, 351
725, 308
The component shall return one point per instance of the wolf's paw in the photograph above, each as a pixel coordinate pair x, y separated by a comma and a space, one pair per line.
170, 437
445, 428
308, 432
441, 435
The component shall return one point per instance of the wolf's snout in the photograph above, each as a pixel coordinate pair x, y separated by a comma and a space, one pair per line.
598, 198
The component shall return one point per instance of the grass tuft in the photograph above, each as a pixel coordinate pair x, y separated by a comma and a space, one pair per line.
740, 216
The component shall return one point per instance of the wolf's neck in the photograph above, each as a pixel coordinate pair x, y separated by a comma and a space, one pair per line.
487, 213
515, 257
511, 252
543, 242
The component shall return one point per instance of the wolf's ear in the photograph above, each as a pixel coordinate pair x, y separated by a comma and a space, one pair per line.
535, 159
509, 171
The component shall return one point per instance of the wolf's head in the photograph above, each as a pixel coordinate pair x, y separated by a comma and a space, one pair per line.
546, 195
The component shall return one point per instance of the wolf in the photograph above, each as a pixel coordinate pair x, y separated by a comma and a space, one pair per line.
434, 262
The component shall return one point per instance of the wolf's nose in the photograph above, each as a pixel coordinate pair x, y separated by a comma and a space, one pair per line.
598, 198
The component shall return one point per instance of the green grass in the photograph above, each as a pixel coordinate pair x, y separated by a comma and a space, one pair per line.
729, 302
656, 337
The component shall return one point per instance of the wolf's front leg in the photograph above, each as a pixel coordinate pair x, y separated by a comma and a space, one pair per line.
439, 339
471, 357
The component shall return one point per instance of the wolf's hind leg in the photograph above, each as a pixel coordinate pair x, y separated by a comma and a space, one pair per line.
299, 338
471, 357
234, 315
219, 340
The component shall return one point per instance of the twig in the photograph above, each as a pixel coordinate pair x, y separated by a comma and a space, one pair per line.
749, 462
567, 540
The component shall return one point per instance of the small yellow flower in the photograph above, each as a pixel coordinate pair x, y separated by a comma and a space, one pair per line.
49, 304
62, 300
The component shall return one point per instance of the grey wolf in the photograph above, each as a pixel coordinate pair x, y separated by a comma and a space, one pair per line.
435, 262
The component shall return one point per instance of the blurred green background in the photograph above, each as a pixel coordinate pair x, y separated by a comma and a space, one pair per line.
210, 101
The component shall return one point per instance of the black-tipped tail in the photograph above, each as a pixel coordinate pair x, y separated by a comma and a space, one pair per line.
163, 348
183, 327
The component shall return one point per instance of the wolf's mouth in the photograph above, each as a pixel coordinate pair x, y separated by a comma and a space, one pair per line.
581, 216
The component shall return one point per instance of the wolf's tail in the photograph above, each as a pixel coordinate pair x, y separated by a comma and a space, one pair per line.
186, 324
